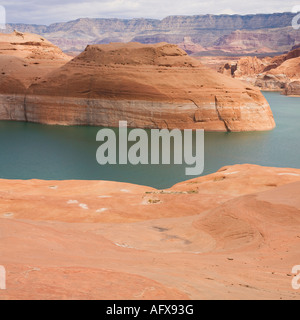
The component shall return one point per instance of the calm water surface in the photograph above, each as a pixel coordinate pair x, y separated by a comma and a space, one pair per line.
34, 151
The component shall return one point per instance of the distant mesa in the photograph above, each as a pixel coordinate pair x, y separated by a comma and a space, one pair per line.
218, 34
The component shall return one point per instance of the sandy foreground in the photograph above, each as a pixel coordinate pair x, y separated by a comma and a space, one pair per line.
234, 234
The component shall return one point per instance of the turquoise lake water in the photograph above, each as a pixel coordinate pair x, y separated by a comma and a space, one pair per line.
34, 151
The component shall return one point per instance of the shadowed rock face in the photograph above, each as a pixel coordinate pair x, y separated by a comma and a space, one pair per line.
292, 89
150, 86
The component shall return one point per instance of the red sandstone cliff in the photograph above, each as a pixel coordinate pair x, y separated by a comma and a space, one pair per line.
24, 59
292, 89
150, 86
28, 57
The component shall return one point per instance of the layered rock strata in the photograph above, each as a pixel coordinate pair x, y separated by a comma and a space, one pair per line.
150, 86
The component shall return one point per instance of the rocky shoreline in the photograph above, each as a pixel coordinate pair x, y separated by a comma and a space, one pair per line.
139, 114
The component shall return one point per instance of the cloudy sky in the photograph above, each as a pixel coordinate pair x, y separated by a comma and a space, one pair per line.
50, 11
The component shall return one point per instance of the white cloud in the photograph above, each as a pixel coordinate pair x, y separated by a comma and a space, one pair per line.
45, 12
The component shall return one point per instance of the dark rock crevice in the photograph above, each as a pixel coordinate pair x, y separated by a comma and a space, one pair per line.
220, 117
25, 109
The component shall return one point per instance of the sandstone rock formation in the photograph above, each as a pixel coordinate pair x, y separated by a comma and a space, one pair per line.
233, 234
271, 82
24, 59
27, 57
29, 46
245, 68
292, 89
150, 86
12, 95
270, 73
